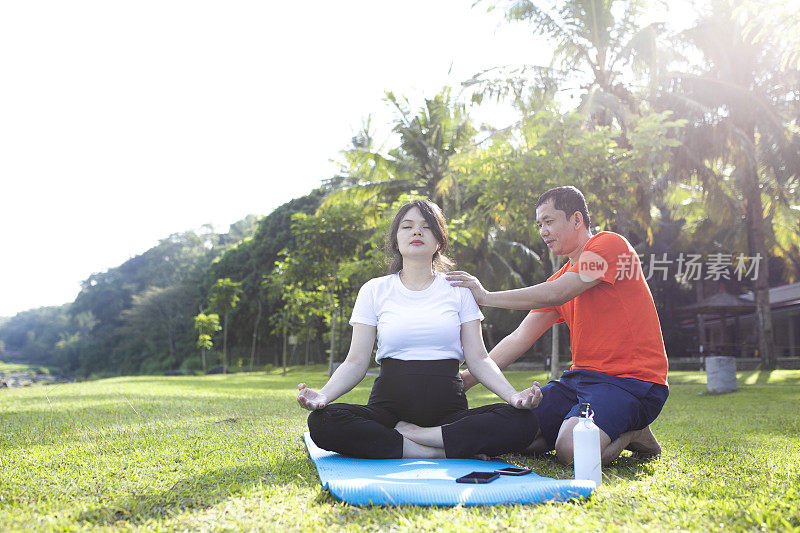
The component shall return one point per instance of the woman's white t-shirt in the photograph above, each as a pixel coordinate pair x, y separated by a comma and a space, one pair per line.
416, 325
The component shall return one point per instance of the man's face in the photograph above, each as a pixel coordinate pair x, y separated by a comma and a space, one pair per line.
559, 233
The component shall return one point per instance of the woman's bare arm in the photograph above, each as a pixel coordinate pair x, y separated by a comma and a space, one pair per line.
348, 375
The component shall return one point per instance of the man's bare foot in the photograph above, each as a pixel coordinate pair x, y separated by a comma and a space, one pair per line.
644, 445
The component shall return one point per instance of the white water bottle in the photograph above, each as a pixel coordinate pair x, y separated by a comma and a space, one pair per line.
586, 447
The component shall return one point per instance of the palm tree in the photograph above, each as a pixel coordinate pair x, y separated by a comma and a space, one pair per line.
775, 20
595, 42
429, 140
602, 45
740, 144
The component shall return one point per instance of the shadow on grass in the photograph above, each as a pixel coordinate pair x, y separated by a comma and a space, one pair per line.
626, 467
629, 467
200, 492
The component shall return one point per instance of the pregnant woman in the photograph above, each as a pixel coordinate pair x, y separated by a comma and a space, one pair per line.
425, 329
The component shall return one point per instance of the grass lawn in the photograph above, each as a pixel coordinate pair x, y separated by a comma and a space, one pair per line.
224, 453
7, 368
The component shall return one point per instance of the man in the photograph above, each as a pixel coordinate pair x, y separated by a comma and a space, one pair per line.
619, 360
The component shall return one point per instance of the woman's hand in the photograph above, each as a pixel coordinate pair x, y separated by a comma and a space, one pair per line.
527, 399
348, 375
310, 399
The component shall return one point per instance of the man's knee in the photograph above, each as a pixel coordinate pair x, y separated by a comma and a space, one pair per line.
563, 445
564, 449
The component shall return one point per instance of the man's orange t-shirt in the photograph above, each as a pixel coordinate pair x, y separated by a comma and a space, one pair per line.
614, 326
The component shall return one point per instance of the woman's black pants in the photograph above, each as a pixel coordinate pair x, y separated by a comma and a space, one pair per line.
425, 393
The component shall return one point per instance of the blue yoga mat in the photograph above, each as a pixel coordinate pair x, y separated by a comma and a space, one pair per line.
433, 481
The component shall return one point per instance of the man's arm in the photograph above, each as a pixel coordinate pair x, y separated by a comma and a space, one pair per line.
547, 294
514, 345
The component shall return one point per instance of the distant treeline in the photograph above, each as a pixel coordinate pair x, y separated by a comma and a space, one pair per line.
138, 317
687, 144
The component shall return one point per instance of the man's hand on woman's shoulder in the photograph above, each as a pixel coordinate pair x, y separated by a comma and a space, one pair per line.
459, 278
310, 399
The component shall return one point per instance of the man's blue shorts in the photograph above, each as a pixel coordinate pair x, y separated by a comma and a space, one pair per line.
619, 404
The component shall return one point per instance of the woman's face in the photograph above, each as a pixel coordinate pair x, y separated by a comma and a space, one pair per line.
414, 236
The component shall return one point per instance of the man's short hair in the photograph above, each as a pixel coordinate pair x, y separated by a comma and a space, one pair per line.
569, 200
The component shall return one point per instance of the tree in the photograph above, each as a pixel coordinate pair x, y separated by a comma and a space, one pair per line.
331, 259
302, 306
594, 40
549, 149
206, 325
114, 343
429, 139
603, 45
741, 147
223, 298
32, 335
158, 318
776, 23
255, 332
249, 261
67, 355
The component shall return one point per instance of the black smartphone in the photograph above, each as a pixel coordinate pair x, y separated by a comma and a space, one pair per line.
478, 477
513, 471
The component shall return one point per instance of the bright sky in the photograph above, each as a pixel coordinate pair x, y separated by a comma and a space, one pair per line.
124, 122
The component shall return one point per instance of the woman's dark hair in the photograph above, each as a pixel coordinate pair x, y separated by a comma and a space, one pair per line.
569, 200
435, 219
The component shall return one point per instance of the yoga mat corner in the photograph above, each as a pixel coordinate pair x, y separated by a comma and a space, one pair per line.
431, 482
